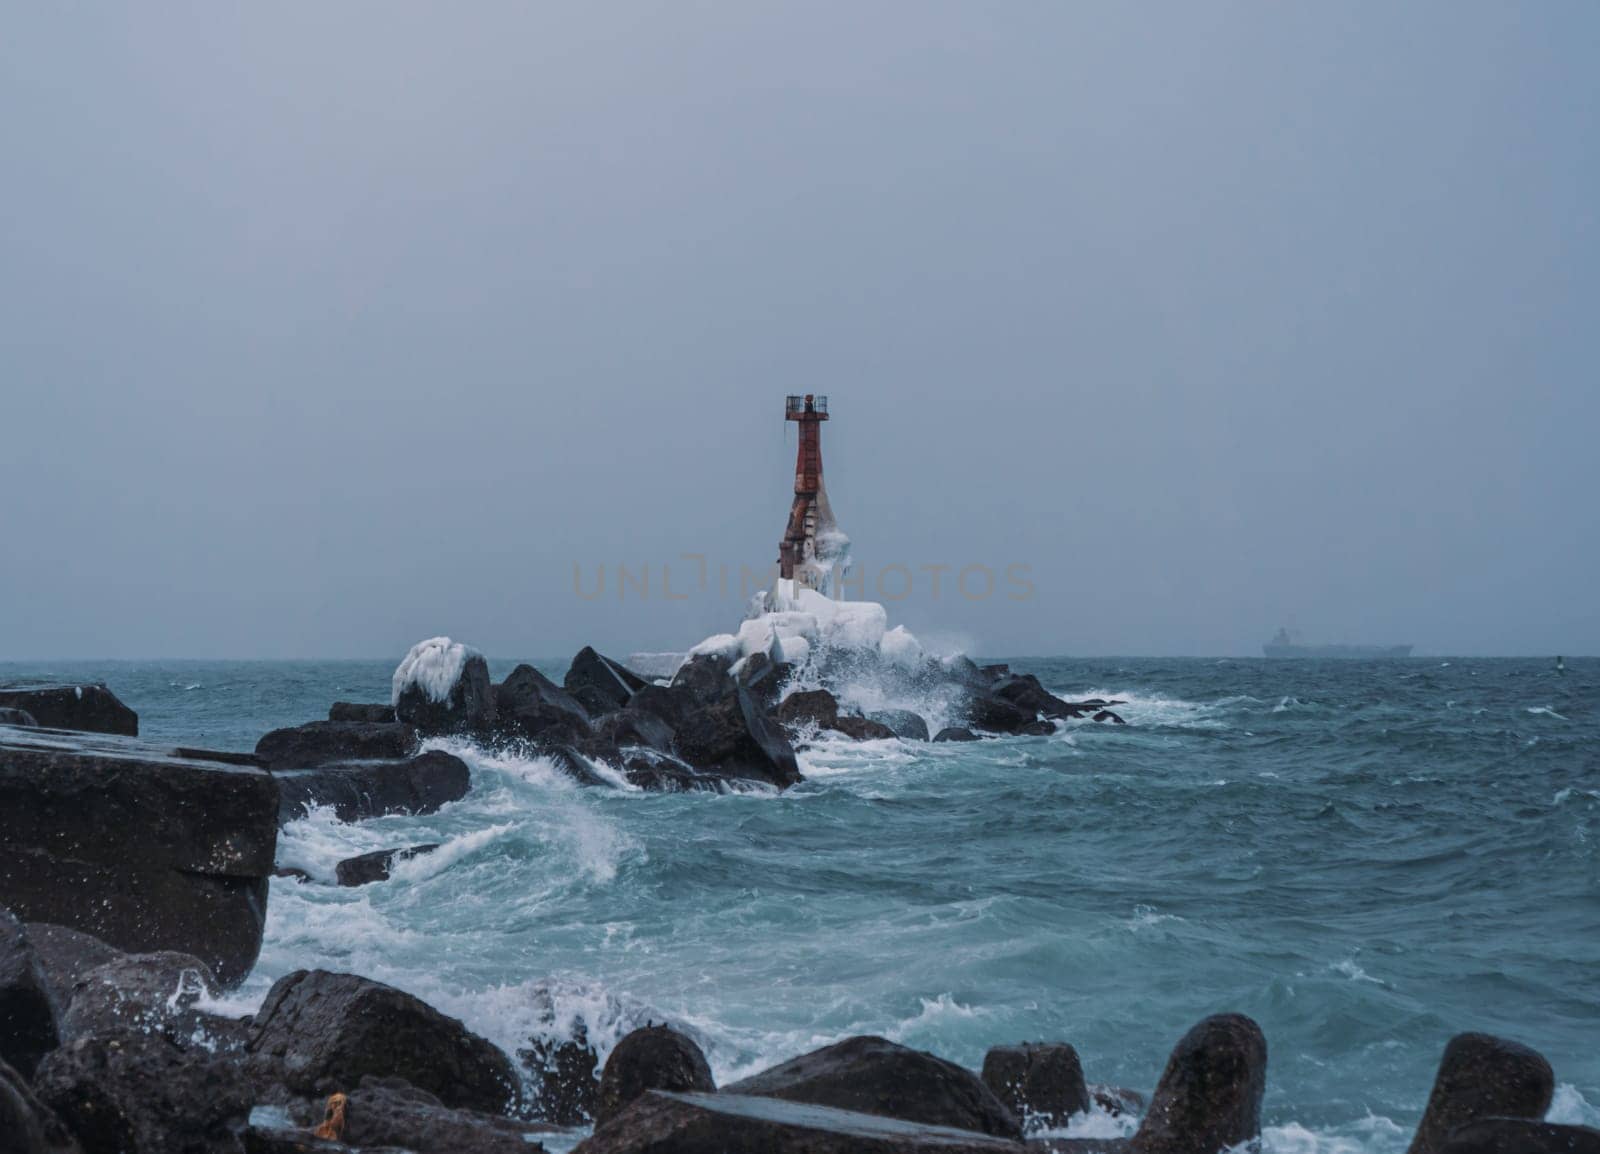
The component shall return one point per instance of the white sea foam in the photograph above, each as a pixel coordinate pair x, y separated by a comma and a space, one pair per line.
434, 666
1570, 1108
1546, 711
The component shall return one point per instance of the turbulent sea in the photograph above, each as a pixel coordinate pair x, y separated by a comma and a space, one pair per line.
1365, 857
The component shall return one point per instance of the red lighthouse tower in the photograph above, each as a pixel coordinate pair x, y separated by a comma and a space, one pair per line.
810, 513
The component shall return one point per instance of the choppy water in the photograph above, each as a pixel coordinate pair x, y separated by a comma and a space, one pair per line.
1365, 857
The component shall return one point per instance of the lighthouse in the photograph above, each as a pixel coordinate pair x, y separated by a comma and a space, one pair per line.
812, 545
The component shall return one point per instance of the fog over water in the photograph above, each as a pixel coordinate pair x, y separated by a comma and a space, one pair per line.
323, 330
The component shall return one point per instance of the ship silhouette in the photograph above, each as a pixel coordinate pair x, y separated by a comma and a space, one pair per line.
1285, 644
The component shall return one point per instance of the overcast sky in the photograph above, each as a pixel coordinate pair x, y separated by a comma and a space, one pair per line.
325, 328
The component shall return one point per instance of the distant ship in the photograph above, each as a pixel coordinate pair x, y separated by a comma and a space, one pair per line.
1284, 645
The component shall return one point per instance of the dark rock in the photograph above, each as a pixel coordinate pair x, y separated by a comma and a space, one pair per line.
1482, 1076
592, 699
809, 707
994, 673
1209, 1096
599, 681
630, 726
997, 715
664, 773
1039, 728
1521, 1136
9, 716
363, 789
294, 872
375, 866
1025, 692
906, 725
318, 1032
1107, 715
955, 733
27, 1125
730, 737
705, 676
861, 728
876, 1076
326, 742
143, 1094
764, 679
664, 1121
1117, 1100
366, 714
654, 1058
564, 1071
1041, 1082
390, 1112
530, 705
29, 1028
468, 707
137, 845
88, 708
65, 956
147, 994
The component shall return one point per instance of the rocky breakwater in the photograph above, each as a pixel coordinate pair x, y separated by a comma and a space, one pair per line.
146, 846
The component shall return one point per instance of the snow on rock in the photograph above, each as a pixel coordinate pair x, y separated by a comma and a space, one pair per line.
433, 666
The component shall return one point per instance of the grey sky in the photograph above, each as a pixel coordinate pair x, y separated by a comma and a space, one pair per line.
324, 328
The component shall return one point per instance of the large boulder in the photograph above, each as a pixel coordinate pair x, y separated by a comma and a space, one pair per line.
143, 846
861, 728
764, 678
353, 711
997, 715
363, 789
809, 707
27, 1125
149, 994
319, 1032
528, 704
1521, 1136
955, 733
600, 683
906, 725
654, 1058
726, 1123
327, 742
29, 1026
131, 1093
442, 686
91, 708
375, 866
1482, 1076
1025, 692
877, 1076
1209, 1096
1041, 1082
730, 737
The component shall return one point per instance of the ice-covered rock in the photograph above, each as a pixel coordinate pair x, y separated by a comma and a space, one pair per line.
442, 686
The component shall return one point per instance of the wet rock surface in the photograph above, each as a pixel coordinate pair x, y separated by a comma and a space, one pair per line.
374, 867
391, 1112
143, 846
1482, 1076
1209, 1096
1521, 1136
130, 1093
326, 742
359, 790
600, 683
149, 994
87, 708
319, 1032
654, 1058
1041, 1082
876, 1076
366, 714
